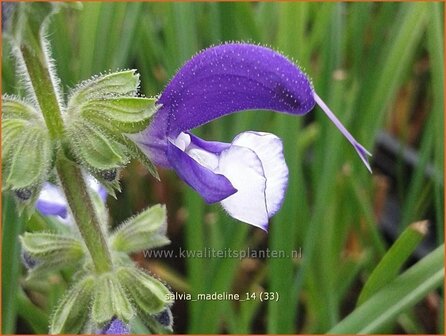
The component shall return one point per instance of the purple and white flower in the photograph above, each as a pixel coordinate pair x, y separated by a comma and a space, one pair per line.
52, 201
248, 176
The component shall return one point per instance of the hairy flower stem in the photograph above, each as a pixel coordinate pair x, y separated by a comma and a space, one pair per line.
43, 88
70, 175
84, 214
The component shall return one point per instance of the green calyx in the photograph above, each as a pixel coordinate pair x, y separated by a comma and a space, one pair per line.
110, 300
51, 252
101, 112
144, 231
27, 150
121, 293
116, 84
71, 315
148, 294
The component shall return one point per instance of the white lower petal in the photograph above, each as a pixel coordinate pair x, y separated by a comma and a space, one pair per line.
269, 149
93, 183
53, 195
203, 157
206, 159
243, 168
182, 141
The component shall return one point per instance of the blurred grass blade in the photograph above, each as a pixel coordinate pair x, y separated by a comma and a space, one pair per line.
34, 316
381, 90
195, 241
363, 199
282, 313
395, 298
435, 45
396, 256
12, 228
414, 193
219, 275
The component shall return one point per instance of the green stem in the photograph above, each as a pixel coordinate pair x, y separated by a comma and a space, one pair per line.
70, 174
84, 213
43, 88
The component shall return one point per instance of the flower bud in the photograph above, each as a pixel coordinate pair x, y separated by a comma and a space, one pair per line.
28, 261
109, 174
164, 318
115, 327
160, 323
7, 12
23, 194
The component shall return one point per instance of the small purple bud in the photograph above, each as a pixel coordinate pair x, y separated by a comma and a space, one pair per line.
23, 194
7, 10
164, 318
109, 174
115, 327
27, 260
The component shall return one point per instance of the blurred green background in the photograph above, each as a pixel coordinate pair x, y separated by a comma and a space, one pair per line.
379, 66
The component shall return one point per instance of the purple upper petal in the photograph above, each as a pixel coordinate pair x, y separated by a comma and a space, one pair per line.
234, 77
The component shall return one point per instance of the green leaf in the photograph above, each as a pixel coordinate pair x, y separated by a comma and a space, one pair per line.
72, 312
33, 315
148, 294
96, 148
126, 114
396, 297
123, 83
393, 260
110, 300
144, 231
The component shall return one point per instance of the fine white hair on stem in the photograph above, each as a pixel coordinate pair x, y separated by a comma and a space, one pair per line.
23, 76
22, 71
46, 49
